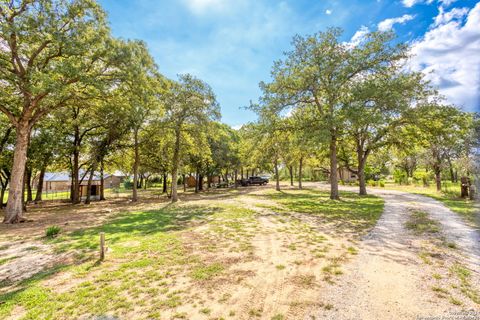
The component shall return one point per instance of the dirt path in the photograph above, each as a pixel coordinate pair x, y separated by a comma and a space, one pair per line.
387, 280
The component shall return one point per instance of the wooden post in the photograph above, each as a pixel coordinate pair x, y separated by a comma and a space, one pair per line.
102, 245
465, 185
472, 190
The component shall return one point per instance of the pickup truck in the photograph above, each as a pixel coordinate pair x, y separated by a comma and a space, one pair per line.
254, 180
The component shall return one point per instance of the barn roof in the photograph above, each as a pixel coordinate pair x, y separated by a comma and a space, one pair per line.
57, 176
64, 176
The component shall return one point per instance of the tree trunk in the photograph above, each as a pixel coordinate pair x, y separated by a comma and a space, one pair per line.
41, 176
247, 173
362, 160
236, 178
361, 179
226, 176
75, 189
24, 203
102, 182
277, 178
333, 167
452, 173
290, 169
200, 182
175, 163
164, 189
196, 182
438, 179
14, 210
241, 173
89, 185
300, 173
28, 183
135, 166
184, 180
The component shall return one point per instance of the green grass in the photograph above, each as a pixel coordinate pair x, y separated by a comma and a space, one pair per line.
464, 275
6, 260
148, 252
359, 213
207, 272
450, 197
145, 251
420, 223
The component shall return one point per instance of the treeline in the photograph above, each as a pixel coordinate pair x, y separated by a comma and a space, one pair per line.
357, 106
75, 98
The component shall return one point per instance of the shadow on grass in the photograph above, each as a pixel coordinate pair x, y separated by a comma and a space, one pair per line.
352, 211
149, 228
143, 223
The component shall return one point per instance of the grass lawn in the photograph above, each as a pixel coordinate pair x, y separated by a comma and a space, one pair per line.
450, 197
202, 259
355, 212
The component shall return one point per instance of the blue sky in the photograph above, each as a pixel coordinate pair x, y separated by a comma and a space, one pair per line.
231, 44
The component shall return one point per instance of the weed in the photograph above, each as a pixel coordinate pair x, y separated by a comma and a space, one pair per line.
205, 311
255, 312
52, 231
206, 272
420, 223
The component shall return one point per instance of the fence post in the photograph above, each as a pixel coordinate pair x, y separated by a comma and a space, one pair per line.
102, 245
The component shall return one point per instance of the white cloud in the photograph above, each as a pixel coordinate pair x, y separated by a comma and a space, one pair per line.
446, 3
449, 55
454, 14
328, 12
206, 6
387, 24
358, 36
411, 3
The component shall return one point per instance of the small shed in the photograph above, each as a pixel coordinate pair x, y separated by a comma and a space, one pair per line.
95, 191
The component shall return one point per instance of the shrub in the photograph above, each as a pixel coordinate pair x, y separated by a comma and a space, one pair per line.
381, 183
52, 231
128, 184
372, 183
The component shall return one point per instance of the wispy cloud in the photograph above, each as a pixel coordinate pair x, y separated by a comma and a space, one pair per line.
328, 12
387, 24
208, 6
411, 3
358, 37
449, 55
454, 14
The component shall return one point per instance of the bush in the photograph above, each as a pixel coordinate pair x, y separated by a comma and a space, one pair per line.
381, 183
52, 231
372, 183
128, 184
400, 177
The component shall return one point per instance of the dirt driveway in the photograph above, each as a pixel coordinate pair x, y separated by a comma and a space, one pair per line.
395, 277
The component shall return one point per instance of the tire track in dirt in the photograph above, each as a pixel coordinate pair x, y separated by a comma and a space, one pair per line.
386, 280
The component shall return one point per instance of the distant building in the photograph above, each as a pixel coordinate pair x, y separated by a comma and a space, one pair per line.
343, 174
61, 181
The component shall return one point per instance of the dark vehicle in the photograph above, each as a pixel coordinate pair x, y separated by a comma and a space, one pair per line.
254, 180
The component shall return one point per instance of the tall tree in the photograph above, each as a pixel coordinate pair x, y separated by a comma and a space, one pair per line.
142, 86
320, 71
379, 107
190, 104
49, 47
441, 129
